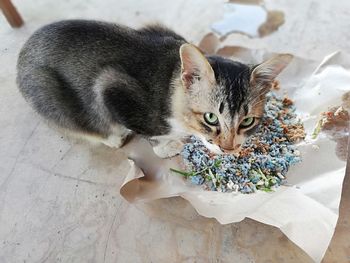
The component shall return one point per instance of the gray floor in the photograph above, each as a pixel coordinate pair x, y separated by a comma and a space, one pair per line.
59, 199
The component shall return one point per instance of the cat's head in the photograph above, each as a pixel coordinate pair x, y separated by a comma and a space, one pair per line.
223, 100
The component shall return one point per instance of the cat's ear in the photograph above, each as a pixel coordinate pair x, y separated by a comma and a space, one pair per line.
194, 65
267, 71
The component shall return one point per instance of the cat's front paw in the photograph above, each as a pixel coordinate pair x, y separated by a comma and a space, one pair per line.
170, 149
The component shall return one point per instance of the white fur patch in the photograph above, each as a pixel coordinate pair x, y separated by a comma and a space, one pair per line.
115, 140
177, 131
212, 147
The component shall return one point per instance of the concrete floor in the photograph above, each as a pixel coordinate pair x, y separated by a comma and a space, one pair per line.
59, 199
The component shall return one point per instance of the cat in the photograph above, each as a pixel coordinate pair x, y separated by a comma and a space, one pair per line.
106, 82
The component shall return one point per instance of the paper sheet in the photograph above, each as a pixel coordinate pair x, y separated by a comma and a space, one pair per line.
306, 210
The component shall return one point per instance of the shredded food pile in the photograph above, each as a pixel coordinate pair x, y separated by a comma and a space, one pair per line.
263, 161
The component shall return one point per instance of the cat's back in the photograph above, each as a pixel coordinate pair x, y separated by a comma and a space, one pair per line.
83, 47
74, 41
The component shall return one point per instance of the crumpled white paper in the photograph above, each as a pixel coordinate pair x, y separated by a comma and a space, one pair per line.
306, 210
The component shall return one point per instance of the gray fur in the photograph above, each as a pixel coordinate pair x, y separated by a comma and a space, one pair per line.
87, 76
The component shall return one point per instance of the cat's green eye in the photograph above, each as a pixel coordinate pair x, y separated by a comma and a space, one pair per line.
211, 118
247, 122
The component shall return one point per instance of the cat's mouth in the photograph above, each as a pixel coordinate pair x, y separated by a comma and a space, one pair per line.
217, 149
233, 151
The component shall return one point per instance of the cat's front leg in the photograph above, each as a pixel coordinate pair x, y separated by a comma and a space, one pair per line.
166, 149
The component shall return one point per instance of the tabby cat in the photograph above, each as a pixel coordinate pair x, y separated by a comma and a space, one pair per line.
106, 82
